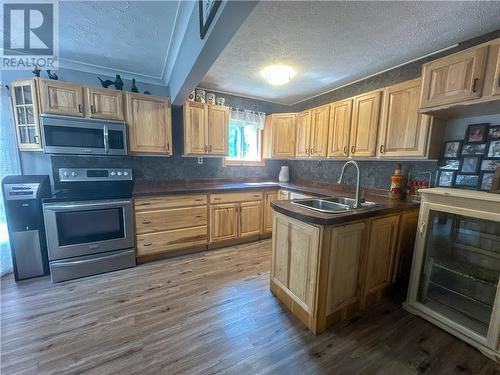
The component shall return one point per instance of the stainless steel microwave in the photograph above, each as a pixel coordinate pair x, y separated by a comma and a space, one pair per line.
75, 135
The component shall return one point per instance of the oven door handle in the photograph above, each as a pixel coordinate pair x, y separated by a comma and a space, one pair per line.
86, 205
74, 262
106, 139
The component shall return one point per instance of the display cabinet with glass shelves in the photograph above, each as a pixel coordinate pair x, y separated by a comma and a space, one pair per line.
456, 266
25, 108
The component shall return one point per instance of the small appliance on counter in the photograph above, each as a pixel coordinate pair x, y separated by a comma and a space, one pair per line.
89, 222
22, 197
284, 175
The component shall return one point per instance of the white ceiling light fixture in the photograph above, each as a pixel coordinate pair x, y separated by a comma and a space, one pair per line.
277, 74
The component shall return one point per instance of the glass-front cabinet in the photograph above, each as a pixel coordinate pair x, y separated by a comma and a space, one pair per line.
456, 265
25, 107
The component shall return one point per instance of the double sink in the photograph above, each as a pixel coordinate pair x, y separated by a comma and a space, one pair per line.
335, 205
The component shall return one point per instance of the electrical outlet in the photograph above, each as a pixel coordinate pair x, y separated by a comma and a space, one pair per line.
200, 160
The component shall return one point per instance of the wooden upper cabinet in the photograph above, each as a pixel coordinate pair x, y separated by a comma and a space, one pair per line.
218, 130
104, 104
223, 222
206, 129
455, 78
403, 131
283, 135
25, 107
319, 131
149, 124
340, 128
303, 138
250, 218
364, 124
496, 79
61, 98
380, 254
195, 120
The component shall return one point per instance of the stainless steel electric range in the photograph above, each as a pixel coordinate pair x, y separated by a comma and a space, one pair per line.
88, 222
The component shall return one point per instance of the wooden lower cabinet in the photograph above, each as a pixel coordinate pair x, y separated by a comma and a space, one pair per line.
406, 242
223, 222
250, 214
325, 274
381, 248
167, 223
295, 260
267, 216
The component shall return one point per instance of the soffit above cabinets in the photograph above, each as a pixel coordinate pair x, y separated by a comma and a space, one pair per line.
333, 43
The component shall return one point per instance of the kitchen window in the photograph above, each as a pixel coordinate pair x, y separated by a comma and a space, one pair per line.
245, 138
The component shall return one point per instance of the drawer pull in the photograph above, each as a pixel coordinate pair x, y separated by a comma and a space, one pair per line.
217, 199
144, 204
147, 244
198, 216
198, 200
146, 222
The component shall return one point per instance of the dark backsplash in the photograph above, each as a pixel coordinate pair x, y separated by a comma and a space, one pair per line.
374, 174
175, 168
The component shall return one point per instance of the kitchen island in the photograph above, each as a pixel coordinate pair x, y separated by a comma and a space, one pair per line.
326, 267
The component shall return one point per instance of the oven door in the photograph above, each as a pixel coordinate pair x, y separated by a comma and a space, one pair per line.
88, 227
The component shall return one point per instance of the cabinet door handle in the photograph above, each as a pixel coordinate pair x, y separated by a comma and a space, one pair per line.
474, 84
311, 151
345, 150
353, 148
168, 147
147, 244
422, 227
210, 148
144, 204
80, 108
37, 139
146, 222
382, 149
92, 108
307, 151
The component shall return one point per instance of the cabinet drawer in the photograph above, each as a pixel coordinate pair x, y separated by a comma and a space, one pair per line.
235, 197
175, 218
171, 201
154, 243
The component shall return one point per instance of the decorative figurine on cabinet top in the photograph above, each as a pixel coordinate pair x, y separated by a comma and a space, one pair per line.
105, 83
37, 71
134, 87
52, 75
118, 82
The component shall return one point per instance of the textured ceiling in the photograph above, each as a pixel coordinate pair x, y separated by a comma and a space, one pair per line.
131, 37
331, 44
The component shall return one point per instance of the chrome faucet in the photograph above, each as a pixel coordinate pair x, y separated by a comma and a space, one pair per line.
358, 198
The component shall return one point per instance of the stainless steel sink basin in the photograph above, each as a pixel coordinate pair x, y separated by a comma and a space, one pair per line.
351, 202
333, 205
322, 205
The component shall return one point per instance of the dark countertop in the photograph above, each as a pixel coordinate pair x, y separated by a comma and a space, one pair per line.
385, 205
146, 188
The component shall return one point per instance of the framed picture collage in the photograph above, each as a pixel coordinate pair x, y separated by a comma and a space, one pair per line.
470, 163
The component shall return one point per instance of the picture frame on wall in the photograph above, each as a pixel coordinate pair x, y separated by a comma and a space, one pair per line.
452, 149
493, 150
494, 133
490, 165
476, 133
474, 149
486, 181
449, 164
445, 178
207, 11
470, 164
470, 181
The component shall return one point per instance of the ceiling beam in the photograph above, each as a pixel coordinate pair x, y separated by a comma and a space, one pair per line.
197, 55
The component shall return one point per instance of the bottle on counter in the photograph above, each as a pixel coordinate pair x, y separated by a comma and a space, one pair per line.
395, 191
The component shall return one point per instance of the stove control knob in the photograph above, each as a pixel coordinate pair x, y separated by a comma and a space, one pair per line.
66, 174
74, 174
112, 173
125, 173
119, 173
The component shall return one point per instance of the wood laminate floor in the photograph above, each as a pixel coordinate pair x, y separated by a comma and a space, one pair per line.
207, 313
